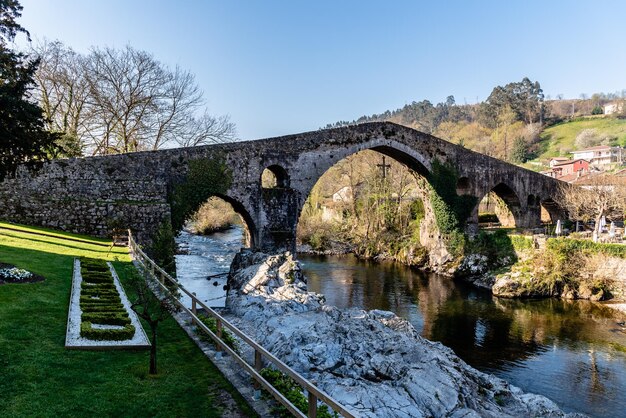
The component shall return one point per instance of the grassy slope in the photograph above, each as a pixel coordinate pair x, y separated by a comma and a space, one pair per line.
559, 139
39, 377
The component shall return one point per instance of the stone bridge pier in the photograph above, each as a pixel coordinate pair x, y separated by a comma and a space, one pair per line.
142, 190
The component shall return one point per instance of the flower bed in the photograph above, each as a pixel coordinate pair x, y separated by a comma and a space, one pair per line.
11, 274
99, 315
101, 305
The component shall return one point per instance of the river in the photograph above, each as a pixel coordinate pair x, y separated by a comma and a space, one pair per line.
573, 352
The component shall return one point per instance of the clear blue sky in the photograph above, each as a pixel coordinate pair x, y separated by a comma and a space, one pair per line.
279, 67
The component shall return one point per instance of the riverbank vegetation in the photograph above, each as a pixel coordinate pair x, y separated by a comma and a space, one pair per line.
41, 378
213, 216
567, 268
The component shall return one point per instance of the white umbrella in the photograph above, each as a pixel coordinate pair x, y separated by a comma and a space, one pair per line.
612, 230
602, 223
559, 229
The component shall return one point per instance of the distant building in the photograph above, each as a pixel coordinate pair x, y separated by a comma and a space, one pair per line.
570, 167
601, 156
613, 108
557, 160
343, 195
567, 170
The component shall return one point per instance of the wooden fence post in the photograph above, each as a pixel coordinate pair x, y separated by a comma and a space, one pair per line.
312, 406
193, 307
218, 324
258, 365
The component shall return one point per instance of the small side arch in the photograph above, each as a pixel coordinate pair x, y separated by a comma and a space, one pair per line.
274, 176
463, 186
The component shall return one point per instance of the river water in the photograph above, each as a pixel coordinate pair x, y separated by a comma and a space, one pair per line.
573, 352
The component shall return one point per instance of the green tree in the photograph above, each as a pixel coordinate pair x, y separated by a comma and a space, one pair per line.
151, 308
525, 98
519, 153
23, 138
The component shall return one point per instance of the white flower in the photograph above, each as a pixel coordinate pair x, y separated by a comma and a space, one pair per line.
15, 274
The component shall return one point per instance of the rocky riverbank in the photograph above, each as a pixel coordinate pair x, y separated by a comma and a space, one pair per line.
373, 362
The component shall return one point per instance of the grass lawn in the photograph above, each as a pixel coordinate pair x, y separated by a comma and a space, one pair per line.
39, 377
558, 140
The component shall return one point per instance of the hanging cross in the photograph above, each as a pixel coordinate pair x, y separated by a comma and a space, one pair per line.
384, 167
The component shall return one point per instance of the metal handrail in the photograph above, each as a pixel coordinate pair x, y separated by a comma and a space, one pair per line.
314, 392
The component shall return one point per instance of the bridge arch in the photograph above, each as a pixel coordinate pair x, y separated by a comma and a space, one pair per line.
250, 231
417, 172
504, 202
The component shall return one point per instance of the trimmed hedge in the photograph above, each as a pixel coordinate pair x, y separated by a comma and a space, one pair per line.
106, 318
112, 300
101, 308
90, 291
87, 331
97, 279
98, 287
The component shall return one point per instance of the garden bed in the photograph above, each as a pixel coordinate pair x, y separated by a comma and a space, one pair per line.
100, 316
11, 274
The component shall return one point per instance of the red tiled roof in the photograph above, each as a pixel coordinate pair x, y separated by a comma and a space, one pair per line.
570, 162
569, 178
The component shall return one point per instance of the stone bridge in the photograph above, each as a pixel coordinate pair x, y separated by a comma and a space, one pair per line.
94, 195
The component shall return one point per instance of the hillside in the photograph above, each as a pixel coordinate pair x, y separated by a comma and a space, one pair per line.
560, 139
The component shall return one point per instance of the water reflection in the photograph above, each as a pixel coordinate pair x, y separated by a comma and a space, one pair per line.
570, 351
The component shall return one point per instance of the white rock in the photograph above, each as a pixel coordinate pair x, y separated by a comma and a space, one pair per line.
375, 363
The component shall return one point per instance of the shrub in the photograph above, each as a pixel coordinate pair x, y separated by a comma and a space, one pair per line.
87, 331
567, 245
211, 323
497, 246
292, 391
214, 215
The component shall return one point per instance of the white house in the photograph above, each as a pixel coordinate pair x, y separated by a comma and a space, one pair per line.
612, 108
343, 195
601, 155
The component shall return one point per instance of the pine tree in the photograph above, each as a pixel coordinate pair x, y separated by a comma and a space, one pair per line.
23, 138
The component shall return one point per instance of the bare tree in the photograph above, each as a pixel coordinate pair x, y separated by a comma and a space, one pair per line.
62, 93
124, 100
599, 196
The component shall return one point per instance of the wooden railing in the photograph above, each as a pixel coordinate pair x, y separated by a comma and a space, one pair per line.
260, 353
